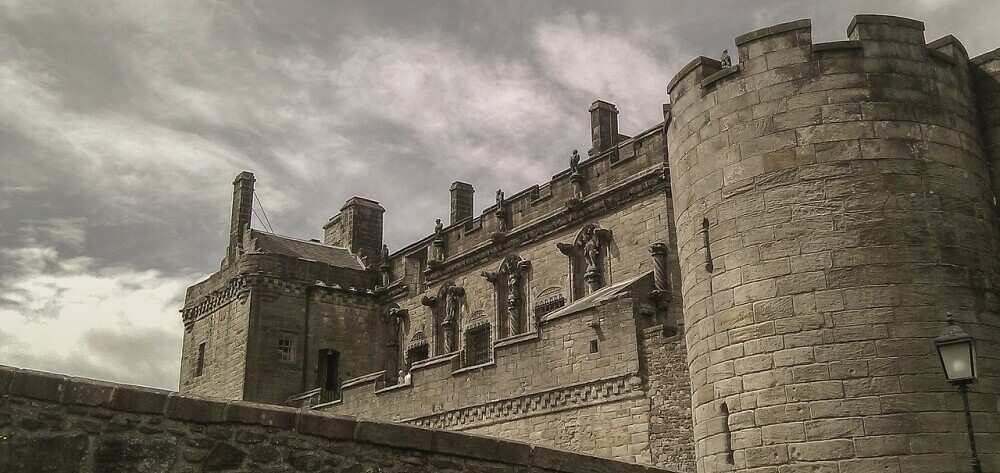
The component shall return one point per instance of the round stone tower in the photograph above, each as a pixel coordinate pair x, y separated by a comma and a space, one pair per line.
832, 203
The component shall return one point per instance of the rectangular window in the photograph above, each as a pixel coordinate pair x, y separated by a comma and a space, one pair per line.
286, 349
477, 345
199, 366
417, 353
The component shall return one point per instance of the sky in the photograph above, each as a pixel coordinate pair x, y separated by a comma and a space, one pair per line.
123, 123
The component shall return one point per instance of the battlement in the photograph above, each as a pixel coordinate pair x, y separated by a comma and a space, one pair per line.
632, 168
777, 47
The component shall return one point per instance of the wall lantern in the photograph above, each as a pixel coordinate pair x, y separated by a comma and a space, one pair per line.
957, 351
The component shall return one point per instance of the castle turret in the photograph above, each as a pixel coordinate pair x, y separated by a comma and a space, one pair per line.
832, 203
358, 227
242, 211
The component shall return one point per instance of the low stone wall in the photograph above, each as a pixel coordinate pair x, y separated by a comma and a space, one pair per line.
55, 423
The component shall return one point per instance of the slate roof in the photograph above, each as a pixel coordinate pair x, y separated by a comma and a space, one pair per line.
599, 296
310, 250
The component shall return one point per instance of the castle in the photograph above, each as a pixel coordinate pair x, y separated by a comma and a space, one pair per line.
751, 285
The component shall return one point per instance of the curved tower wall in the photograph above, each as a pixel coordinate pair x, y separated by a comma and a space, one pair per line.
832, 203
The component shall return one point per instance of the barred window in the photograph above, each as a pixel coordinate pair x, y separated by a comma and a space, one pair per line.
417, 353
549, 300
286, 348
477, 345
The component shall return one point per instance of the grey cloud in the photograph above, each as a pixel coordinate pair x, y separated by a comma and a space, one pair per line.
122, 124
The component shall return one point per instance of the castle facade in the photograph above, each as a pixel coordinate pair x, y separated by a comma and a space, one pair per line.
753, 284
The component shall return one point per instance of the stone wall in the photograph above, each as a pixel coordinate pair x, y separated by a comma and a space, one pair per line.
832, 203
54, 423
533, 389
671, 441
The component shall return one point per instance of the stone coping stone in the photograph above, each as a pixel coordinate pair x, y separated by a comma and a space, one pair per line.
773, 30
172, 405
694, 64
986, 57
948, 40
884, 20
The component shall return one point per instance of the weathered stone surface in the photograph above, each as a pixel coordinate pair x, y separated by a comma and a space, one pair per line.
59, 453
224, 457
123, 454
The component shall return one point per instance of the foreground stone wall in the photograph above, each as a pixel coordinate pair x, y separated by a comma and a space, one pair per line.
53, 423
833, 202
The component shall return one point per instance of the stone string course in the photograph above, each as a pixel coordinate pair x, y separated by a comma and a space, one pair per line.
554, 400
55, 423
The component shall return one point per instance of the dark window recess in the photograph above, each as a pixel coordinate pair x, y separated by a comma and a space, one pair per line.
549, 306
328, 378
199, 366
286, 351
477, 345
593, 346
418, 353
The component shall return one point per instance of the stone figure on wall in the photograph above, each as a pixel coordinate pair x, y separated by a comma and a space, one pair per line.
438, 228
501, 213
592, 249
453, 301
384, 266
726, 60
500, 199
574, 162
513, 300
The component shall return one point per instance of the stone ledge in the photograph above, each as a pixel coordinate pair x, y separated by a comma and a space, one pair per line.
97, 395
773, 30
720, 75
836, 46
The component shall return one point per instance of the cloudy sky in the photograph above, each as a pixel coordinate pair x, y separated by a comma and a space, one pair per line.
122, 124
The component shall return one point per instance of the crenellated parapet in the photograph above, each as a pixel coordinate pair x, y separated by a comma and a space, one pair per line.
627, 172
832, 202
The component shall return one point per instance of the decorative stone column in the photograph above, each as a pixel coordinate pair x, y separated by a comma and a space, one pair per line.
661, 278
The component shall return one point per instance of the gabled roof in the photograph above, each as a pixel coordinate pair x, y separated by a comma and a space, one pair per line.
599, 296
309, 250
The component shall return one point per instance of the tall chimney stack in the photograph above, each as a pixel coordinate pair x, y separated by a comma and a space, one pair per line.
242, 210
358, 227
462, 194
603, 126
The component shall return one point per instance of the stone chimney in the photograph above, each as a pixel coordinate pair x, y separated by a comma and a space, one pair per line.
603, 127
462, 194
358, 227
242, 210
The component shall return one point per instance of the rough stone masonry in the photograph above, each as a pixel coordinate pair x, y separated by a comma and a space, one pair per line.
751, 285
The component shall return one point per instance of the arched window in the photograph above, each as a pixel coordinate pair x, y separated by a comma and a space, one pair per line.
548, 301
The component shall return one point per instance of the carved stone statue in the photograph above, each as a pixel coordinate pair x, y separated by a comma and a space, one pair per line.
453, 301
438, 227
574, 162
513, 300
500, 199
384, 255
592, 249
726, 60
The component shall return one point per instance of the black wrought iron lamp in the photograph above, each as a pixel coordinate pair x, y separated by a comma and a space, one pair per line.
957, 351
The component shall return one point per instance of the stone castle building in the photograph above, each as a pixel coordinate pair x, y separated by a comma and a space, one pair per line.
751, 285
